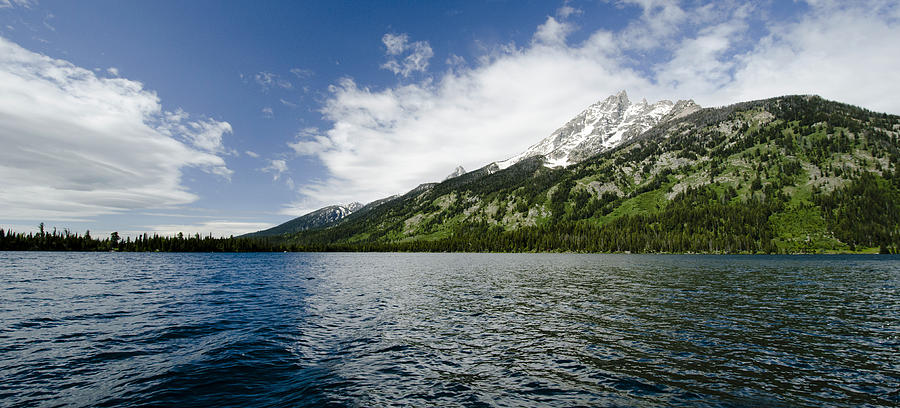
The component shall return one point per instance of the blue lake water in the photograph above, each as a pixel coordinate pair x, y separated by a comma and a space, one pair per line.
113, 329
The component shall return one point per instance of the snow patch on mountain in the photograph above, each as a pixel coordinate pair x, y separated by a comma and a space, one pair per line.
334, 213
456, 173
602, 126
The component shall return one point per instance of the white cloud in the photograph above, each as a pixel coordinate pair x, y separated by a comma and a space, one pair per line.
252, 154
264, 79
46, 22
386, 141
701, 63
203, 134
552, 32
76, 145
416, 60
311, 142
850, 54
288, 103
566, 11
267, 80
268, 113
455, 61
658, 24
113, 71
20, 3
276, 167
395, 43
302, 73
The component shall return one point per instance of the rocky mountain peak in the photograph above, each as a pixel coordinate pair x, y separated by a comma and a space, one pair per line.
621, 97
602, 126
682, 108
459, 171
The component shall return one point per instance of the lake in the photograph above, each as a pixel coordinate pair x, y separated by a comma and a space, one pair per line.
288, 329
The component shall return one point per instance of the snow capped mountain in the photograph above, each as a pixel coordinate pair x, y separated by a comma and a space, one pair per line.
334, 213
456, 173
602, 126
340, 211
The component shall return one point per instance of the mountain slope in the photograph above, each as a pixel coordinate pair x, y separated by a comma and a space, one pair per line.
787, 174
320, 218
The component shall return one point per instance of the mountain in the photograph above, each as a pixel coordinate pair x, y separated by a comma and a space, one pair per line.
781, 175
602, 126
320, 218
456, 173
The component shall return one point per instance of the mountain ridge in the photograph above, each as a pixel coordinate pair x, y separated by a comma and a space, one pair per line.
578, 139
774, 175
321, 218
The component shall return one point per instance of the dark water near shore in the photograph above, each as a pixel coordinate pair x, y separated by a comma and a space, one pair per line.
106, 329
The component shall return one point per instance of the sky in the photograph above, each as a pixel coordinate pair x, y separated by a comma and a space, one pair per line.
223, 118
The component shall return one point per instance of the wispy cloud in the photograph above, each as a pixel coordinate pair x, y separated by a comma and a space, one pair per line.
47, 19
276, 167
455, 61
416, 54
268, 80
76, 145
203, 134
386, 141
288, 103
252, 154
567, 11
268, 113
658, 25
302, 73
310, 141
20, 3
843, 51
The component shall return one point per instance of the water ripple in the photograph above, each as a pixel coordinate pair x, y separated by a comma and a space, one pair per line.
448, 330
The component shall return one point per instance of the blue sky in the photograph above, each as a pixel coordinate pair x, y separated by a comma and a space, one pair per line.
228, 117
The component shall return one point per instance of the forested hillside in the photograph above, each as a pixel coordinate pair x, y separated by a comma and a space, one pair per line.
789, 174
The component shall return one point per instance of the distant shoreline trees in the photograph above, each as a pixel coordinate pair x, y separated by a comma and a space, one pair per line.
65, 240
